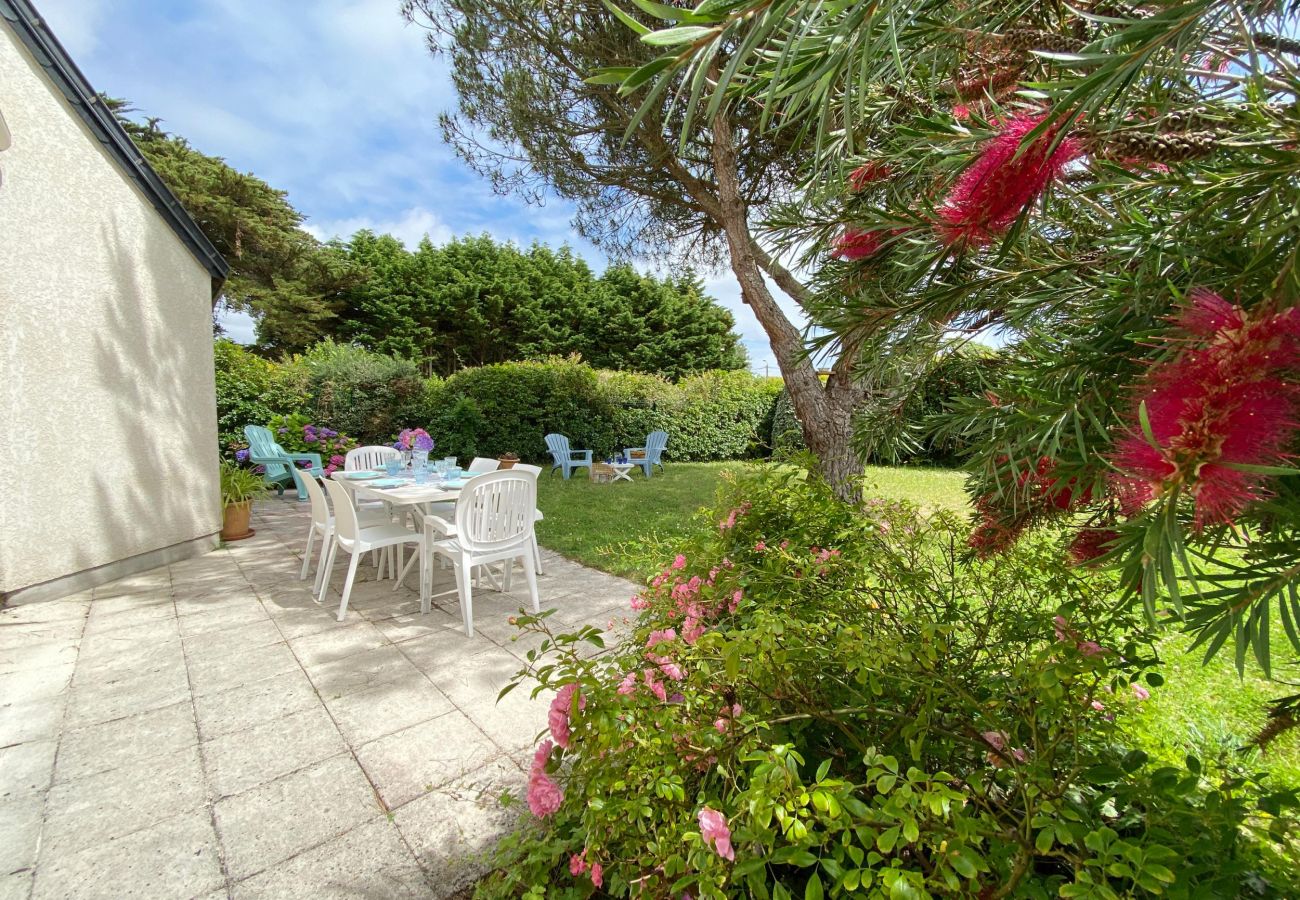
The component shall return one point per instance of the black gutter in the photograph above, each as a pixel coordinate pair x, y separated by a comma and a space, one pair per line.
59, 67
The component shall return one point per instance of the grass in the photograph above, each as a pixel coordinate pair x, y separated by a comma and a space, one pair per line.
1201, 709
594, 523
600, 525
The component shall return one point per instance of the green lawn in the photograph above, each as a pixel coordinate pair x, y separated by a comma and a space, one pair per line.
627, 528
604, 525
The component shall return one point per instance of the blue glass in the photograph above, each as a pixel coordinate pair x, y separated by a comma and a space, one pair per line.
392, 466
453, 473
421, 475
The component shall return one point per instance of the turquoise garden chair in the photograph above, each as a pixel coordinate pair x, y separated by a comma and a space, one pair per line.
276, 461
565, 458
655, 443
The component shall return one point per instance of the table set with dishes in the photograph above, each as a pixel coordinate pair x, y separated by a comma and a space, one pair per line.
480, 522
397, 484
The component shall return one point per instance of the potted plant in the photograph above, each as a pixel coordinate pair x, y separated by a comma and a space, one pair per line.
507, 460
239, 488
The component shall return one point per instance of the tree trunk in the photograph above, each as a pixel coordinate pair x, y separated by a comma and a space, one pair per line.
825, 412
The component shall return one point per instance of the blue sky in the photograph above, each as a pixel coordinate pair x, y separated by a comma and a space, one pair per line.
334, 101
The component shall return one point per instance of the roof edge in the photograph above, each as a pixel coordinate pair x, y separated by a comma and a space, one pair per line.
35, 34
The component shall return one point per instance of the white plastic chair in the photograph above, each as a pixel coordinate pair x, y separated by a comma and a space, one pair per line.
494, 523
536, 472
356, 540
481, 464
322, 523
371, 457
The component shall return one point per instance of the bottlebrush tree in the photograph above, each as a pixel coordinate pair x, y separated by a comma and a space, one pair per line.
1114, 191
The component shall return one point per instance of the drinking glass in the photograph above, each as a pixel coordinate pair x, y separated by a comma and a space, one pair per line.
392, 467
421, 475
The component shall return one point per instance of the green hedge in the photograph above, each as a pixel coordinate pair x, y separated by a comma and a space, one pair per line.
512, 406
490, 410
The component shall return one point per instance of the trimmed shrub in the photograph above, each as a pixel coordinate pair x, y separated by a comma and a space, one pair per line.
508, 407
490, 410
513, 406
787, 433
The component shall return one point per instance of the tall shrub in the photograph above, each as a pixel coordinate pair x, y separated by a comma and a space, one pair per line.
250, 391
370, 396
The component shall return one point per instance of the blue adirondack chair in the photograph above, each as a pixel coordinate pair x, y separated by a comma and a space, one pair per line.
276, 461
565, 458
655, 443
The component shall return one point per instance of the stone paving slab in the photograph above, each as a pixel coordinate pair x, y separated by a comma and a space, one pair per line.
207, 730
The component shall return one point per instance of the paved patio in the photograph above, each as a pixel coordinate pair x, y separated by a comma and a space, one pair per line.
206, 730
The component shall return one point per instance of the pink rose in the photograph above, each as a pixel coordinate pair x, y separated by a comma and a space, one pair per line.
716, 834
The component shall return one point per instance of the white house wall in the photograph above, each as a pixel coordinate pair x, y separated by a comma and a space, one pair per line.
107, 414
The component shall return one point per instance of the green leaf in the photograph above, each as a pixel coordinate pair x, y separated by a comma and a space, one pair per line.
683, 34
813, 890
625, 18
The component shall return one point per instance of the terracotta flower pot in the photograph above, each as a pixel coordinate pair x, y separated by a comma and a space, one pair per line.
234, 521
506, 462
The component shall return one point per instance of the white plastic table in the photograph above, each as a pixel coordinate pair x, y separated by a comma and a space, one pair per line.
409, 494
622, 471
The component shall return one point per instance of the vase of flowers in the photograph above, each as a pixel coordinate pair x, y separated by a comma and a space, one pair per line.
416, 445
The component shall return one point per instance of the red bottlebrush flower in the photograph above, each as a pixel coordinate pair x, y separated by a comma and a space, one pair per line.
1003, 181
869, 173
994, 532
1090, 544
855, 244
1226, 401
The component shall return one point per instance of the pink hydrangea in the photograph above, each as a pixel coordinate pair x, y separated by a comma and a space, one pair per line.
544, 795
716, 834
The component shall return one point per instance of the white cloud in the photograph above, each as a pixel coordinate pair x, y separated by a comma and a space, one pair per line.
409, 227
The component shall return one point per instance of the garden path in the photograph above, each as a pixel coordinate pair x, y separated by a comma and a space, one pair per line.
206, 730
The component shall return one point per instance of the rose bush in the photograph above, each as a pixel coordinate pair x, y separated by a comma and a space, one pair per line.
817, 701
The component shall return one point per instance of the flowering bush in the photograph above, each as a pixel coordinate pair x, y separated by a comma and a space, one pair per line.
297, 434
820, 701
